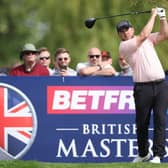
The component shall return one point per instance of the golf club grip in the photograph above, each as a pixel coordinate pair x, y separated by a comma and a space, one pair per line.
141, 12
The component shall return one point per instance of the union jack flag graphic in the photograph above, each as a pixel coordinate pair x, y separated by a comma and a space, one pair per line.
17, 123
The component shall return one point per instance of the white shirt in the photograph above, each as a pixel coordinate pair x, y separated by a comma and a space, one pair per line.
143, 60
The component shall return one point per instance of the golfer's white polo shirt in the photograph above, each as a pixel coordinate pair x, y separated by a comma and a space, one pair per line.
143, 60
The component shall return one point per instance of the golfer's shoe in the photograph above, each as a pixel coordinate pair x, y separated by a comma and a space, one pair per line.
155, 159
142, 159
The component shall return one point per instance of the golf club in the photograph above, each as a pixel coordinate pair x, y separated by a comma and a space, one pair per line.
89, 23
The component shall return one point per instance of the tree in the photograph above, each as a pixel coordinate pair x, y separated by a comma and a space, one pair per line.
60, 23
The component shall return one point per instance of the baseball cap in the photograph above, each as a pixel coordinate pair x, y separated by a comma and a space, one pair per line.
123, 24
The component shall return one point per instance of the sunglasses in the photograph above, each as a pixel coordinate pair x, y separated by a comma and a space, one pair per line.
44, 58
92, 56
29, 52
65, 59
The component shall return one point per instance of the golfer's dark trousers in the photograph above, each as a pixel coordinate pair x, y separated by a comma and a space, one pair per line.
151, 96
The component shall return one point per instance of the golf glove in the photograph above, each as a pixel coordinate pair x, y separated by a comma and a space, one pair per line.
161, 13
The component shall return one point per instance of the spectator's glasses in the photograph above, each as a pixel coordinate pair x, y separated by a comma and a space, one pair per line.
44, 58
29, 52
65, 59
93, 56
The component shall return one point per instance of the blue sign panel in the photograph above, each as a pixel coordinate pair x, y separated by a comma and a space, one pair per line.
68, 119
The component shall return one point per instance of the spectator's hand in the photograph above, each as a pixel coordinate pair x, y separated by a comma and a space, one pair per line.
63, 72
161, 12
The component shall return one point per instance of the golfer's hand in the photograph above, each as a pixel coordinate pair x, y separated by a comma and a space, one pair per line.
154, 12
161, 12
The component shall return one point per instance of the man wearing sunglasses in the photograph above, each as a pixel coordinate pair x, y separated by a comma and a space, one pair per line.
45, 59
62, 60
95, 66
30, 67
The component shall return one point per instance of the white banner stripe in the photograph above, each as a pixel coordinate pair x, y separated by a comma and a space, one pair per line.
67, 129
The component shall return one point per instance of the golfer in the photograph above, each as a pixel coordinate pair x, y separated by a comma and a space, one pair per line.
150, 87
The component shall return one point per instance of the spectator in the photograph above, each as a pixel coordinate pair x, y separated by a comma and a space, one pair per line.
30, 67
126, 69
62, 60
95, 66
106, 56
107, 60
45, 58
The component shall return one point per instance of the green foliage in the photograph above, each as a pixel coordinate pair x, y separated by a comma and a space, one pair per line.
60, 23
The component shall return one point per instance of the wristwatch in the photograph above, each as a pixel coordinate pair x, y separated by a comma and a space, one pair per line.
100, 67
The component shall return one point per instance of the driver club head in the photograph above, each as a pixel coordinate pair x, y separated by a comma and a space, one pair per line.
89, 23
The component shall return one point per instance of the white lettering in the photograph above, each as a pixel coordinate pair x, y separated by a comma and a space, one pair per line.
79, 100
105, 148
95, 98
103, 100
62, 148
86, 129
111, 97
102, 148
61, 100
97, 129
89, 148
133, 149
118, 146
126, 98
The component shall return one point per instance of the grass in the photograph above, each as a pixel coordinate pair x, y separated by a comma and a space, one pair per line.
36, 164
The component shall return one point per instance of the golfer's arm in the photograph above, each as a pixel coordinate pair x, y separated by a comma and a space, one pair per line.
163, 33
146, 31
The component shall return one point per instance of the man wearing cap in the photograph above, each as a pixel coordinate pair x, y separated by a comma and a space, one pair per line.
30, 67
108, 61
150, 87
106, 56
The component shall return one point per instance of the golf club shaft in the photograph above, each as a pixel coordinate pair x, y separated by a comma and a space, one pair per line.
130, 13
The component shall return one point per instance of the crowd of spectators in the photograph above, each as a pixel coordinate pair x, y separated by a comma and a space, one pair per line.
38, 62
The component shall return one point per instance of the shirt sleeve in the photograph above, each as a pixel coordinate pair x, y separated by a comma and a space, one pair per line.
153, 38
80, 66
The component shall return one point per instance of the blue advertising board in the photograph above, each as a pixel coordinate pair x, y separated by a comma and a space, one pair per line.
68, 119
